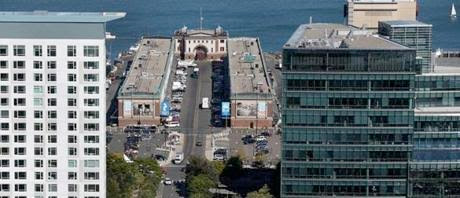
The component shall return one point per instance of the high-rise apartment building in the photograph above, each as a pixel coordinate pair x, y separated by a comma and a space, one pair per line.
413, 34
348, 113
367, 13
52, 110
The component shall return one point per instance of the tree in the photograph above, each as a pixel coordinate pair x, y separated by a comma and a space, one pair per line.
198, 186
233, 167
218, 166
263, 192
276, 181
199, 165
138, 179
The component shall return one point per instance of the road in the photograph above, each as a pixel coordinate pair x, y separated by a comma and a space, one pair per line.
194, 124
111, 93
178, 188
194, 120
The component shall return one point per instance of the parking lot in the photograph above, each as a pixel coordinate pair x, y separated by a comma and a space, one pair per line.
270, 152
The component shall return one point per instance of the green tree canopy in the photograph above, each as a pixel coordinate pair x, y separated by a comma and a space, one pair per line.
263, 192
198, 186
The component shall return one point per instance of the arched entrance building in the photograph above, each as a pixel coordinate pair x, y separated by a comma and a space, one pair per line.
201, 44
201, 52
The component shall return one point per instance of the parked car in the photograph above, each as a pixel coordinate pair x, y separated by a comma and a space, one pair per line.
248, 139
260, 138
262, 142
266, 134
168, 181
199, 143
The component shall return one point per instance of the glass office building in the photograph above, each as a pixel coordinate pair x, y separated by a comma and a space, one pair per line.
435, 165
348, 113
413, 34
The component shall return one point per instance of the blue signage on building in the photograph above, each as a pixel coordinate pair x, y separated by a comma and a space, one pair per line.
165, 107
225, 109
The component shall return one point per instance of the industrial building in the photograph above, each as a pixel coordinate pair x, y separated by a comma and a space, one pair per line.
52, 110
144, 88
367, 13
251, 96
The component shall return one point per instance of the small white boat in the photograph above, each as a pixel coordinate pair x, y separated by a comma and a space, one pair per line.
453, 12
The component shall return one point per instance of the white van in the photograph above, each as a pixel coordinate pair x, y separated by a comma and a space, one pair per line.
205, 103
172, 124
179, 158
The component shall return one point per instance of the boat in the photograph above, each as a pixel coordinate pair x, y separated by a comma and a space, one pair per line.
453, 12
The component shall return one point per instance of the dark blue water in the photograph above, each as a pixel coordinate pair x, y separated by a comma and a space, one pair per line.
271, 20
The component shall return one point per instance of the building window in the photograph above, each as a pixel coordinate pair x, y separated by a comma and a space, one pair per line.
91, 77
38, 77
19, 77
72, 77
3, 50
38, 126
52, 114
71, 90
72, 151
91, 90
4, 114
3, 64
38, 187
52, 126
72, 175
52, 139
19, 50
52, 187
91, 102
91, 176
91, 51
71, 65
72, 163
91, 65
72, 102
20, 151
3, 89
38, 50
51, 64
51, 50
71, 126
52, 89
38, 114
52, 163
222, 49
72, 139
52, 151
38, 89
52, 102
21, 89
91, 151
72, 114
72, 188
91, 114
38, 151
39, 175
38, 65
91, 139
91, 187
38, 138
3, 77
71, 50
91, 163
19, 64
20, 139
52, 77
20, 188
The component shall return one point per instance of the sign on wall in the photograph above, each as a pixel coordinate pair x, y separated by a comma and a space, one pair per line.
225, 109
165, 107
127, 107
262, 109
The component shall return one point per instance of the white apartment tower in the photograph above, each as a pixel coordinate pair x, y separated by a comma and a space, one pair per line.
52, 104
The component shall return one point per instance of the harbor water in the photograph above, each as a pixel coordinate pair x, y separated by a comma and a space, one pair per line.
273, 21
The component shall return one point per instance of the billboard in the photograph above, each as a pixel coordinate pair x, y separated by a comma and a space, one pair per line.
165, 106
246, 108
262, 109
225, 112
127, 107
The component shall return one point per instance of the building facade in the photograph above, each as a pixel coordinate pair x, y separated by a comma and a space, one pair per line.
201, 43
413, 34
53, 104
367, 13
348, 113
435, 165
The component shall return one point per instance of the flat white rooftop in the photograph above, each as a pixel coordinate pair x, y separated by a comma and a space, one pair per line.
64, 17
